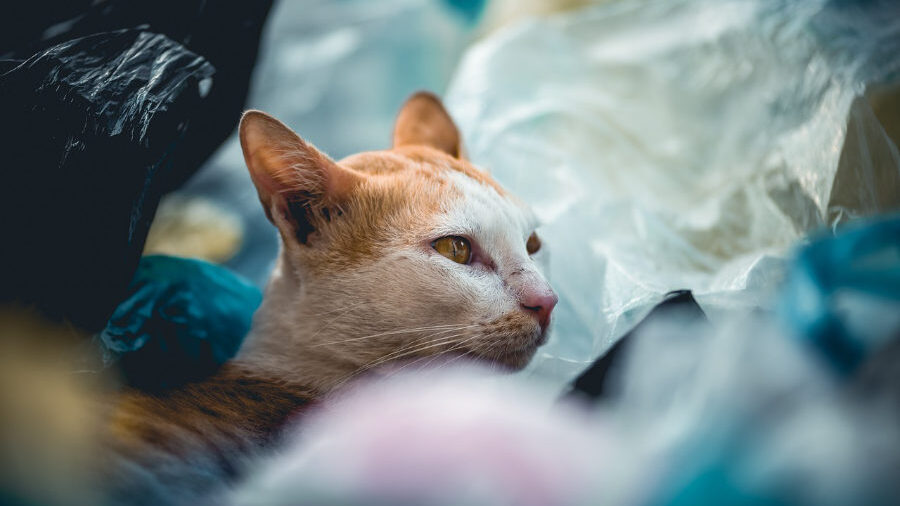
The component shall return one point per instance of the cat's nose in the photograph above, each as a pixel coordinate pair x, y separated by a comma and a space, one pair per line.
541, 304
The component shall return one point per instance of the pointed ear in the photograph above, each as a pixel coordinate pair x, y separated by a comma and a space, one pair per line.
300, 188
424, 121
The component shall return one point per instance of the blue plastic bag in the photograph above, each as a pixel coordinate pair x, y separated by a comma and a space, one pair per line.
181, 320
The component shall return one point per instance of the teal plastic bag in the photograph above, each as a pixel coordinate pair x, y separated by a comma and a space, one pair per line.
843, 292
181, 320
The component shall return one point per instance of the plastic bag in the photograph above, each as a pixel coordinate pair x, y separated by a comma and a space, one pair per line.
843, 294
680, 145
89, 128
101, 119
182, 319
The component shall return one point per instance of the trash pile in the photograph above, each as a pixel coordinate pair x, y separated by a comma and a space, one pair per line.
719, 182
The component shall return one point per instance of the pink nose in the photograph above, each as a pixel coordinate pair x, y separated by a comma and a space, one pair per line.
541, 304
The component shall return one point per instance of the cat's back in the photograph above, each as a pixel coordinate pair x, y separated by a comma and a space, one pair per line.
188, 441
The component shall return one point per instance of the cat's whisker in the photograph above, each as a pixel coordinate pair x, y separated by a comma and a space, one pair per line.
431, 336
396, 355
459, 356
429, 342
434, 357
410, 350
446, 328
344, 312
441, 329
341, 309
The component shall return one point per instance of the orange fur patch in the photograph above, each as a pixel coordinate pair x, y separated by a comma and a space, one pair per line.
228, 414
400, 193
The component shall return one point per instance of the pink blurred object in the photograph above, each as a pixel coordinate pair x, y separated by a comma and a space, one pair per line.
449, 437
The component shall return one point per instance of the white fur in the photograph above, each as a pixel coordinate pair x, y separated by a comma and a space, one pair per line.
323, 330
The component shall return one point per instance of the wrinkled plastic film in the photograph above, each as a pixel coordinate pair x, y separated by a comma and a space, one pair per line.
674, 145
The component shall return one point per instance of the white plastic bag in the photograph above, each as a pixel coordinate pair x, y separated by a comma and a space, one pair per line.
680, 144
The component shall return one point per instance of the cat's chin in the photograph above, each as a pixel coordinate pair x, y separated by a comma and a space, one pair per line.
512, 360
516, 361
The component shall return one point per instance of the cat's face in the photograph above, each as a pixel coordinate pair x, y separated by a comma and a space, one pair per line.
400, 254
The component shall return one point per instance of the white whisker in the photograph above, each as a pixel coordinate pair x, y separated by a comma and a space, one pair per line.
395, 332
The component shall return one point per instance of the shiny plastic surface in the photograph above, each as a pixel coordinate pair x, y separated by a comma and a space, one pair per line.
680, 145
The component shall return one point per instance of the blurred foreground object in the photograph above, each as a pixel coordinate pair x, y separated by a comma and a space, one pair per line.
843, 294
676, 308
687, 144
443, 437
49, 428
100, 120
182, 319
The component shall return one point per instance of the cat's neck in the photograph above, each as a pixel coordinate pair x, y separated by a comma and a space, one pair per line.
311, 368
276, 344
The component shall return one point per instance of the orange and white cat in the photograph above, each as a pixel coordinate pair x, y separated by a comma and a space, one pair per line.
387, 257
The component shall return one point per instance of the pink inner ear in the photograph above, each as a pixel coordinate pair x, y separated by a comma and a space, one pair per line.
264, 181
294, 180
280, 162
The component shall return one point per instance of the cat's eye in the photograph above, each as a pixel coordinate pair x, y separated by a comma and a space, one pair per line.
533, 244
454, 247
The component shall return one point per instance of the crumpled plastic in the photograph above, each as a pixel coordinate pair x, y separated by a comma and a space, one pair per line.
680, 145
107, 106
89, 125
799, 406
181, 319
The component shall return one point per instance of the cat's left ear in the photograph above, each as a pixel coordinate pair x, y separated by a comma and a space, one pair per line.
299, 187
424, 121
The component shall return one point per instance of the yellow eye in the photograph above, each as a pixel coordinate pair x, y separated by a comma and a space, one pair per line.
533, 244
454, 247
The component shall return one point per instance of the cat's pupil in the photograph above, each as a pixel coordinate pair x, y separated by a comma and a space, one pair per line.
533, 244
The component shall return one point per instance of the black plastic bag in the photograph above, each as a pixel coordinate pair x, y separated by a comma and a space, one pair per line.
89, 126
106, 110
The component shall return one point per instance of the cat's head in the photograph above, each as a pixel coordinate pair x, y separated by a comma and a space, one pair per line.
398, 254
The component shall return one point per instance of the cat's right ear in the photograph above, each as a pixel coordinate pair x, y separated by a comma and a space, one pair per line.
300, 187
423, 120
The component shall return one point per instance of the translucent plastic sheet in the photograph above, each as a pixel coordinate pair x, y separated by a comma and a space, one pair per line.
680, 144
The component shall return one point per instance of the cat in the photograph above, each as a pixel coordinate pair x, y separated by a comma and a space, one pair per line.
394, 257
